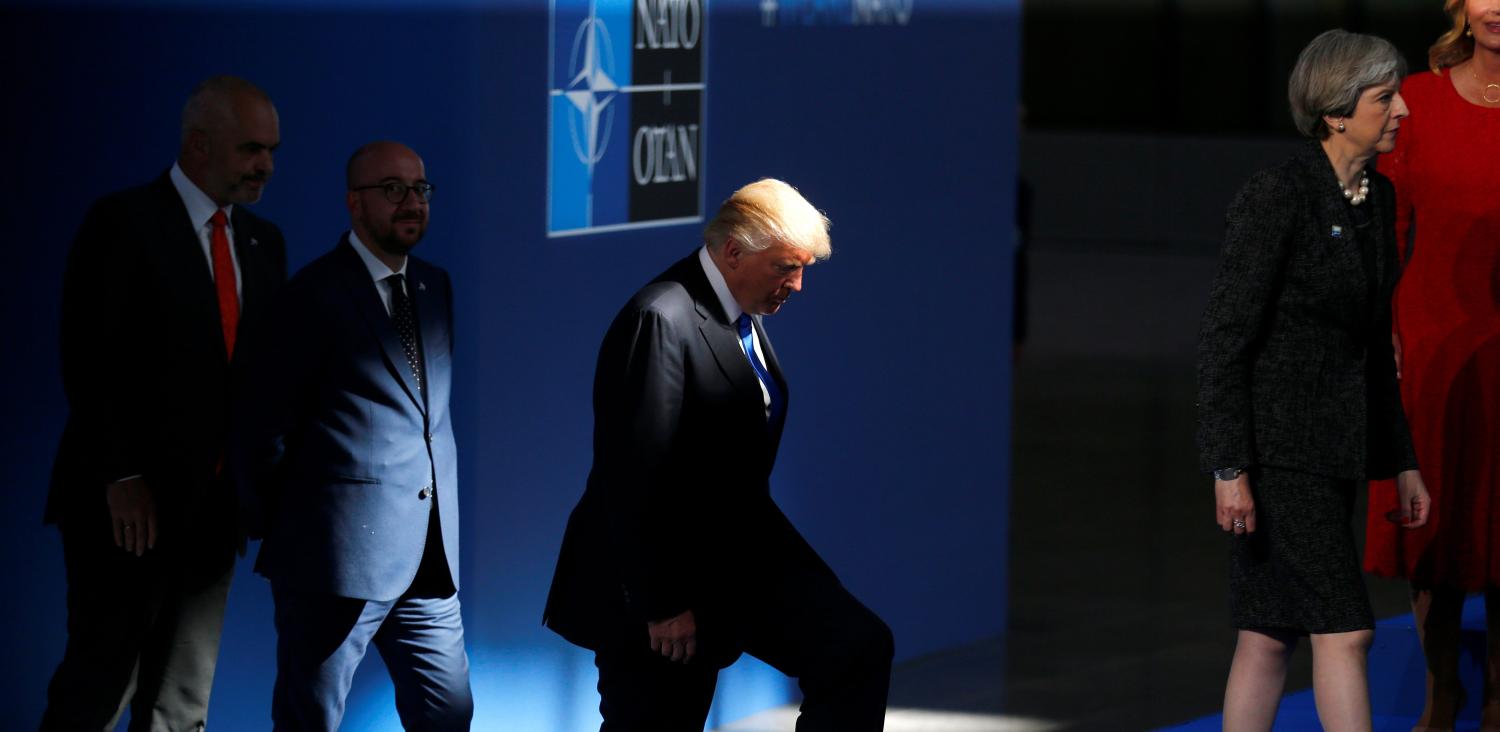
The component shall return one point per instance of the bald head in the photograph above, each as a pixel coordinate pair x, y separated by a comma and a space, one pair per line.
216, 101
372, 156
387, 207
230, 131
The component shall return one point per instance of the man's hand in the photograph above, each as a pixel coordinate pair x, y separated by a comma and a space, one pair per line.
1234, 508
676, 638
132, 514
1416, 505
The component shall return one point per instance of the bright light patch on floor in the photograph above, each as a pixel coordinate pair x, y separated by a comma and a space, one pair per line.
784, 719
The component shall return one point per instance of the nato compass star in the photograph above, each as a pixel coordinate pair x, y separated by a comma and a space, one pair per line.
591, 90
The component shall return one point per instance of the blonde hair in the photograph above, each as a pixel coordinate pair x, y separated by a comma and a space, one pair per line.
1454, 47
766, 212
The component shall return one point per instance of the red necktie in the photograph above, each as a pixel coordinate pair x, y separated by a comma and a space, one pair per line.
229, 299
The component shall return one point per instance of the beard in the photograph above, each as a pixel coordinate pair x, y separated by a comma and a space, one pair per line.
247, 190
392, 241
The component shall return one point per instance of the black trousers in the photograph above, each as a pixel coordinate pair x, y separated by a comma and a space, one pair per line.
808, 627
143, 631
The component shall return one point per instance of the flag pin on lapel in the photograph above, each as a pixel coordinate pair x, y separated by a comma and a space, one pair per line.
1337, 232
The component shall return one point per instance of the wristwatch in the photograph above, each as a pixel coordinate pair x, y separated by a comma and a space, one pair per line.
1228, 473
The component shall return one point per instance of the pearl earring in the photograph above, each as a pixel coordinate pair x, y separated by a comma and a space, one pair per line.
1341, 125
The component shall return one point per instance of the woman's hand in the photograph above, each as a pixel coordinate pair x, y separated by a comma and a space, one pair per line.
1415, 505
1235, 507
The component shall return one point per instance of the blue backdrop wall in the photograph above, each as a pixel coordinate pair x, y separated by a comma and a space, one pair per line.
895, 459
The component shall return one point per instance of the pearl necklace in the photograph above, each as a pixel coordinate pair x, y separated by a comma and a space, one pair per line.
1356, 198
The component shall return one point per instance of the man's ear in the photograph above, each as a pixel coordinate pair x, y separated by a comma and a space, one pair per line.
197, 142
732, 252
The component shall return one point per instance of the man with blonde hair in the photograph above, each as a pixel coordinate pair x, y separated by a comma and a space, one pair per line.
676, 560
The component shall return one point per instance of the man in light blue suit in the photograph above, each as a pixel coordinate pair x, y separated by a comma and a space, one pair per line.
347, 465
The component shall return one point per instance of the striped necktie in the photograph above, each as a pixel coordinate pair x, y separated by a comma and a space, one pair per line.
747, 342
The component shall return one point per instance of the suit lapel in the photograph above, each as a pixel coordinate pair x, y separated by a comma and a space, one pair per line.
720, 335
1325, 191
183, 260
366, 300
1333, 211
247, 250
724, 342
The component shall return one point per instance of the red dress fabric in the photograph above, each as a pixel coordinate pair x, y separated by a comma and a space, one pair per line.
1446, 167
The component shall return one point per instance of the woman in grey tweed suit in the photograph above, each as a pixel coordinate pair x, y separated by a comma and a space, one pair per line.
1297, 391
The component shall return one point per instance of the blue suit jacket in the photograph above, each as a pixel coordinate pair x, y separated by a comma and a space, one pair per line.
338, 454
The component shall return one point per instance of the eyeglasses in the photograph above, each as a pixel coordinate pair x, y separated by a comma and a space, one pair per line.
395, 191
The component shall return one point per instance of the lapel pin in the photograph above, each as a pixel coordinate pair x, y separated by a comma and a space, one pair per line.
421, 286
1337, 232
254, 241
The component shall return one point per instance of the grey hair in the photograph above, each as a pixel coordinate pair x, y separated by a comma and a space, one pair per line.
211, 101
766, 212
1331, 73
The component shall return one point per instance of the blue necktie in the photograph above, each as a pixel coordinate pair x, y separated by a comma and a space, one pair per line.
747, 342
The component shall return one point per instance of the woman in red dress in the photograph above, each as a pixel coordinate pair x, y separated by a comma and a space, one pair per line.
1446, 170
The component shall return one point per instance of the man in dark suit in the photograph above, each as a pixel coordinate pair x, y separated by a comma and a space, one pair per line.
161, 282
676, 559
348, 467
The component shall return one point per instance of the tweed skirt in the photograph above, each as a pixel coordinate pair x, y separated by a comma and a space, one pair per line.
1299, 570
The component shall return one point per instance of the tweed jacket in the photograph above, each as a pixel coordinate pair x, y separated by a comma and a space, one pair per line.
1295, 364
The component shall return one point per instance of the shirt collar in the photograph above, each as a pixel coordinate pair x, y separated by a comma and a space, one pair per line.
721, 288
378, 269
200, 207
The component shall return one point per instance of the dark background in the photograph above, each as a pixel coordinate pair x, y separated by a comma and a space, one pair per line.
1202, 67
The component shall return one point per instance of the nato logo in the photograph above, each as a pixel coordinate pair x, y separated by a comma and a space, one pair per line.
625, 114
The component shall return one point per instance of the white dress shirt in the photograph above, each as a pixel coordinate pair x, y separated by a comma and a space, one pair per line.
201, 210
733, 309
378, 271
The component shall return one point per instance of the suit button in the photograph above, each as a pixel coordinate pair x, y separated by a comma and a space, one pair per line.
426, 493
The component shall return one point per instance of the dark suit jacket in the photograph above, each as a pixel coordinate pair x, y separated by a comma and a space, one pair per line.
143, 359
338, 451
677, 513
1295, 366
